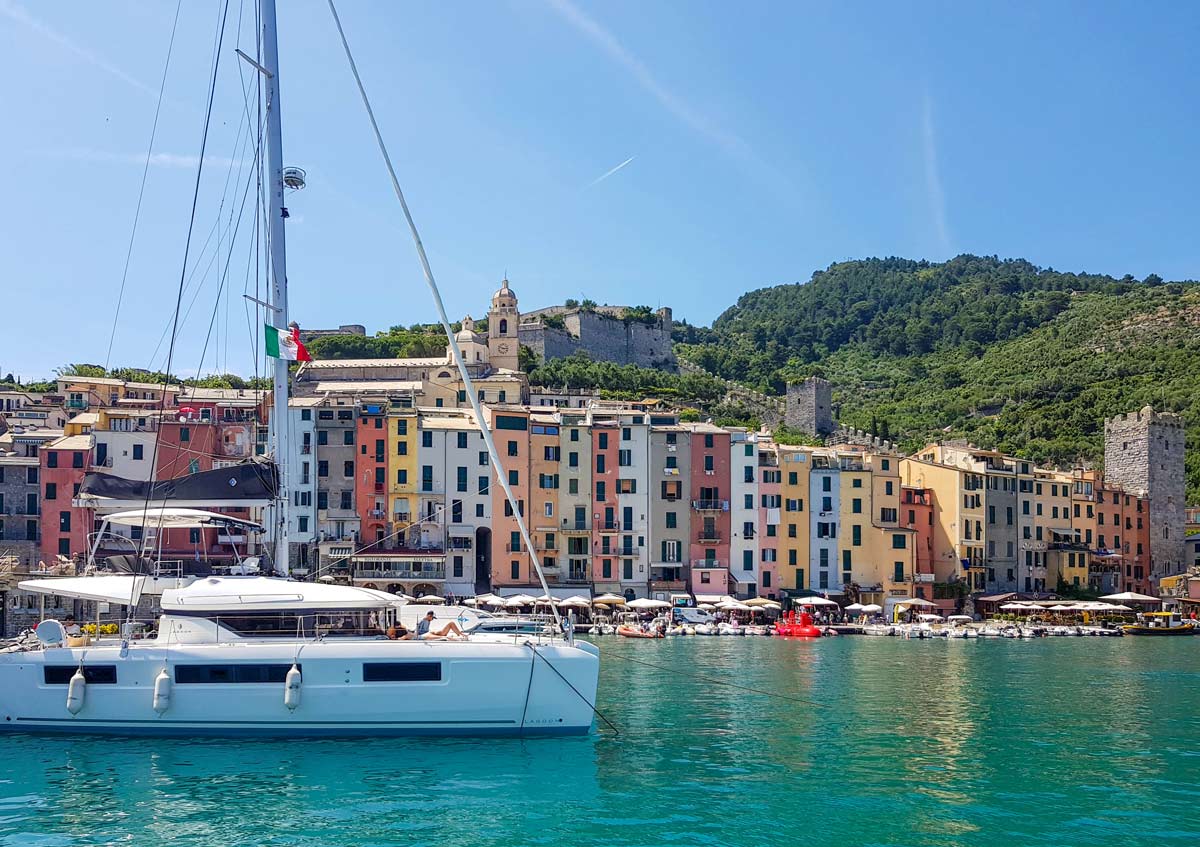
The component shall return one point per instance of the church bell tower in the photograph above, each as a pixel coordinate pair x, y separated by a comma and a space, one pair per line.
503, 319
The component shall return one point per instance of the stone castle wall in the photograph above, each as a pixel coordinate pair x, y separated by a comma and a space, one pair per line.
602, 336
1144, 452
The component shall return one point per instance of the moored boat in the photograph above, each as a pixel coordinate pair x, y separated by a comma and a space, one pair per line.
1161, 623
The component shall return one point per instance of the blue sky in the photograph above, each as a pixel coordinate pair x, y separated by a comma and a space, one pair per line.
765, 140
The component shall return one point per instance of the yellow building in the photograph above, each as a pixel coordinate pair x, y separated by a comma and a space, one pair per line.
957, 543
795, 466
1053, 535
891, 550
402, 469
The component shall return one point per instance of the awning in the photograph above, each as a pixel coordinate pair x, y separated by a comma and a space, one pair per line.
741, 580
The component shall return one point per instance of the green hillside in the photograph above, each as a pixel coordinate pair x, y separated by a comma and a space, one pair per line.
1024, 359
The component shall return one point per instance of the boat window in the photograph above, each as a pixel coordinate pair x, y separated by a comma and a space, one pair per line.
208, 674
94, 674
294, 624
402, 671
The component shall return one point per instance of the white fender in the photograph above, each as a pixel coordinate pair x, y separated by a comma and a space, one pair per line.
162, 691
76, 690
291, 690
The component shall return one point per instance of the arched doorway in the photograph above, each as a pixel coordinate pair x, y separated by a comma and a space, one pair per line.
423, 589
630, 594
483, 560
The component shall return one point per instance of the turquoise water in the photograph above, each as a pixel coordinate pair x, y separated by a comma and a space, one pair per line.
1060, 741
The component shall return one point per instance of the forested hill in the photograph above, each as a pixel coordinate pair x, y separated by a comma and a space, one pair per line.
1025, 359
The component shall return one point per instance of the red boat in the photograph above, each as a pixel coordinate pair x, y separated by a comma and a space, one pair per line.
634, 632
798, 626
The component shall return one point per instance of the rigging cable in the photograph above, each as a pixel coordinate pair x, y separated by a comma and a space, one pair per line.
137, 212
445, 321
183, 271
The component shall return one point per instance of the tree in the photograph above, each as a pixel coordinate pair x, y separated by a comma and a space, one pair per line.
571, 303
587, 305
91, 371
527, 359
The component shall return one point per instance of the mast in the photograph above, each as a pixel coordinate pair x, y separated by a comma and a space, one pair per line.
276, 213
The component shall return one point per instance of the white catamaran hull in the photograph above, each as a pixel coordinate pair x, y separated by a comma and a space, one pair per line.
347, 688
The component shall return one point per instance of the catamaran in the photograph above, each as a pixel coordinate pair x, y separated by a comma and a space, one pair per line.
269, 656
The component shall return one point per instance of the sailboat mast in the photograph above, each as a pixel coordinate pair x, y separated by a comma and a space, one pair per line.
277, 213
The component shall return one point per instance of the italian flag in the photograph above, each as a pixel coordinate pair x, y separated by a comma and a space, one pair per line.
285, 344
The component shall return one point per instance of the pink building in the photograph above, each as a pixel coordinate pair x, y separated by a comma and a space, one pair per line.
710, 488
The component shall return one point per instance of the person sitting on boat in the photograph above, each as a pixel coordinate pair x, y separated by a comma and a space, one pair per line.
70, 627
398, 632
424, 631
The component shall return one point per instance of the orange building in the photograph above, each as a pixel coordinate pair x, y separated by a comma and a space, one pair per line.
511, 564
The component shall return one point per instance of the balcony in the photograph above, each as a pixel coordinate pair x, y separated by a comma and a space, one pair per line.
710, 505
518, 548
629, 550
379, 487
575, 527
377, 513
709, 538
77, 404
608, 526
711, 564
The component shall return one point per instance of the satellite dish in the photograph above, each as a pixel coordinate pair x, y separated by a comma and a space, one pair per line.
51, 633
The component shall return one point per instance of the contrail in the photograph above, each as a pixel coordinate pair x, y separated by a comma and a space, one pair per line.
606, 175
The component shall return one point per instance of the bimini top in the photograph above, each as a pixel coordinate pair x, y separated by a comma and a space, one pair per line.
123, 589
178, 518
222, 594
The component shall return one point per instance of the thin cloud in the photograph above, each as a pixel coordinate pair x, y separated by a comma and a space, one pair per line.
672, 102
18, 13
157, 160
610, 172
933, 180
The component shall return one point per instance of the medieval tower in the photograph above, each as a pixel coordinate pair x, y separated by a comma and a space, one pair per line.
1144, 452
503, 323
810, 406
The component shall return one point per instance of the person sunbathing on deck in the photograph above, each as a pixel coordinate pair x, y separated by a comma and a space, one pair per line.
424, 631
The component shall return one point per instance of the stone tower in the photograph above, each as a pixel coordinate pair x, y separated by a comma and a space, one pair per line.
1144, 452
503, 321
810, 406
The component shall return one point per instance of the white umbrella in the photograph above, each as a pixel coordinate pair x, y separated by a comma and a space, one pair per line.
916, 601
705, 607
814, 601
1117, 607
736, 607
647, 603
544, 599
519, 600
854, 607
614, 599
576, 601
872, 607
1014, 607
471, 601
759, 601
770, 604
487, 599
1062, 607
1126, 596
326, 578
431, 598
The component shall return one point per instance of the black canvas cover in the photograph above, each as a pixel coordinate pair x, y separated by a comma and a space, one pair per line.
247, 481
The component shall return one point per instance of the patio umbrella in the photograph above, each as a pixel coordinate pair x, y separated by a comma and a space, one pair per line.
518, 600
647, 603
576, 602
470, 601
814, 601
1130, 596
431, 598
854, 607
917, 601
705, 607
615, 599
1014, 607
544, 599
326, 578
759, 601
871, 608
770, 604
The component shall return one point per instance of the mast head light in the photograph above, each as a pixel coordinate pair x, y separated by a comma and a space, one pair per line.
293, 178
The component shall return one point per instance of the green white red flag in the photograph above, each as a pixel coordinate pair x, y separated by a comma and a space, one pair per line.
285, 344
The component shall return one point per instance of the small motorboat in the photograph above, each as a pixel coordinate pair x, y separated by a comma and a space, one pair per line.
634, 632
1161, 623
798, 626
